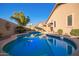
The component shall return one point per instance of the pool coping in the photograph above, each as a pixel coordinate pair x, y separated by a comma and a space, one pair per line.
76, 41
4, 42
13, 37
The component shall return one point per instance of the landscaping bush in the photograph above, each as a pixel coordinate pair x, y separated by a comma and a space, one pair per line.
60, 31
75, 32
1, 36
20, 29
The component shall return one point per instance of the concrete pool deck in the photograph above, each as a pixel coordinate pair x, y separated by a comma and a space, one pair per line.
76, 41
13, 37
5, 41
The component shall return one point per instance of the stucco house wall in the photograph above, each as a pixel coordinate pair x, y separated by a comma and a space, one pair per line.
60, 15
43, 26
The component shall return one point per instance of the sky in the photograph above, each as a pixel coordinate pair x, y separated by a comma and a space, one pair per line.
37, 12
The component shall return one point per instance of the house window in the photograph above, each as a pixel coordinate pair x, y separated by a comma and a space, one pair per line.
54, 23
69, 20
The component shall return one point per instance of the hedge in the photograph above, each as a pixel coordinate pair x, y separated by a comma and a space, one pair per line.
75, 32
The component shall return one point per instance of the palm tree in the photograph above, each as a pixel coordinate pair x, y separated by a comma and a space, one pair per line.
21, 19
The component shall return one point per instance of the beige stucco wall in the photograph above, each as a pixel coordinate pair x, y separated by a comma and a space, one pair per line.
3, 29
41, 25
60, 16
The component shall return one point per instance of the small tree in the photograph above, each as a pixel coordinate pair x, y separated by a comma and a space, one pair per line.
21, 19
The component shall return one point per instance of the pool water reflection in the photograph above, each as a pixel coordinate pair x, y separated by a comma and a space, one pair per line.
27, 45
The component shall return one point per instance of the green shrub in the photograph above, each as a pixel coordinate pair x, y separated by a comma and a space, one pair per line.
60, 31
75, 32
1, 36
20, 29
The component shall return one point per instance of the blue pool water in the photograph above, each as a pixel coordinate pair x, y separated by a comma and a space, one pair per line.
33, 45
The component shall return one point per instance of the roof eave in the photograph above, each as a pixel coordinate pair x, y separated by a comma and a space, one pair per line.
56, 5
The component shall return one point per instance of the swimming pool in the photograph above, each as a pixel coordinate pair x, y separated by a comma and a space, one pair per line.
34, 44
